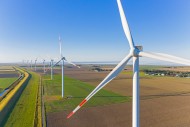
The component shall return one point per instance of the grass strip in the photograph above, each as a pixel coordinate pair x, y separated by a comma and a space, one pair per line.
23, 114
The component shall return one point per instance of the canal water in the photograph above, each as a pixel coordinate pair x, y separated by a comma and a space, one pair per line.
1, 94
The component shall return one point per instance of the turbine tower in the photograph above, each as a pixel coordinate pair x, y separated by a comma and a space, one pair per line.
63, 59
31, 64
135, 53
51, 64
35, 63
23, 63
44, 66
28, 64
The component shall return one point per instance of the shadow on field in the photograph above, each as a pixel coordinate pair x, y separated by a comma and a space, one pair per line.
102, 96
164, 95
145, 97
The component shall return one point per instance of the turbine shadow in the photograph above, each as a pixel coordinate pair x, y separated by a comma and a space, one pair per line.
164, 95
100, 96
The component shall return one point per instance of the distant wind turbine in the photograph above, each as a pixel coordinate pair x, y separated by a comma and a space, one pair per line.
51, 66
135, 53
35, 63
44, 65
31, 64
28, 64
63, 59
23, 62
51, 69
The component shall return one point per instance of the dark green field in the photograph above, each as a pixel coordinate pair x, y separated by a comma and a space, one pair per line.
75, 92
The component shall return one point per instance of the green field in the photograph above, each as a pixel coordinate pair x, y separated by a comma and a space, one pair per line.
130, 73
150, 67
6, 82
23, 114
75, 92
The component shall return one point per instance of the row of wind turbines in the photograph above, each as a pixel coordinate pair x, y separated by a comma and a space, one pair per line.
61, 60
134, 53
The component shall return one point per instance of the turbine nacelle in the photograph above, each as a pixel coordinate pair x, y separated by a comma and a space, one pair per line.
63, 58
136, 50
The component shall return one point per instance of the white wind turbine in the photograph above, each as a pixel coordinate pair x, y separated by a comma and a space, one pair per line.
44, 65
51, 64
23, 63
35, 63
28, 64
63, 59
135, 53
31, 64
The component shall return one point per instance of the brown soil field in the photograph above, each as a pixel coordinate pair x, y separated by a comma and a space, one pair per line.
8, 72
164, 102
6, 68
169, 111
150, 86
181, 69
9, 75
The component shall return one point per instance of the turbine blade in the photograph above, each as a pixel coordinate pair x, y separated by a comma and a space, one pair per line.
60, 46
125, 25
72, 63
110, 76
175, 57
57, 63
165, 57
40, 57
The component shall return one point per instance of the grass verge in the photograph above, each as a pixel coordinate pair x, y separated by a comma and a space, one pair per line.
23, 114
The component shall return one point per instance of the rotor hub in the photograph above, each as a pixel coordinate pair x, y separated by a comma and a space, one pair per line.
135, 51
63, 58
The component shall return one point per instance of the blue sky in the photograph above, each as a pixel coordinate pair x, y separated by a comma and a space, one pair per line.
91, 29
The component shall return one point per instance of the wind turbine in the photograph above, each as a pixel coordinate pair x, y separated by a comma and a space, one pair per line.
23, 63
51, 64
135, 53
63, 59
44, 66
28, 64
31, 64
35, 63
